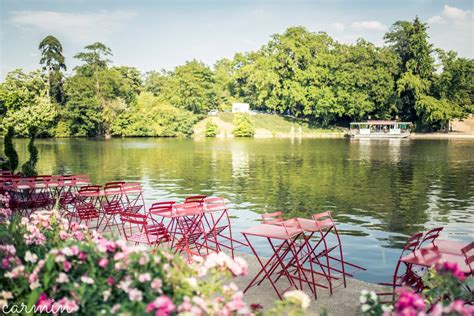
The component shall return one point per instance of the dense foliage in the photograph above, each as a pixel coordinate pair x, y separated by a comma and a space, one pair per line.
300, 73
243, 126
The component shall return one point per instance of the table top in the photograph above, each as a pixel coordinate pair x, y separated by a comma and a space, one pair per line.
441, 251
273, 231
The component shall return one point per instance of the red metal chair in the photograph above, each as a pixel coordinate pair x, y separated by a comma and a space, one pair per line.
404, 275
111, 210
281, 239
83, 212
195, 199
272, 218
430, 237
335, 264
468, 252
136, 229
133, 197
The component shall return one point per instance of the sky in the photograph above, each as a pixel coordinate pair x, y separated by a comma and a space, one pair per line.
154, 35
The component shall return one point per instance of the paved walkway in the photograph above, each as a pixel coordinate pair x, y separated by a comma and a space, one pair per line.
344, 301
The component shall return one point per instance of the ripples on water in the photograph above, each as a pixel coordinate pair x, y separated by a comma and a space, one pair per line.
380, 191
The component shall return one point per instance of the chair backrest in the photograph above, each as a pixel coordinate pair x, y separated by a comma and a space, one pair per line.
324, 220
161, 207
133, 223
113, 184
195, 199
272, 218
89, 189
86, 210
214, 203
430, 236
111, 188
468, 252
413, 242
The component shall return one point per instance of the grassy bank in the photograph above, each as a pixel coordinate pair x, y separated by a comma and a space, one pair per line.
269, 125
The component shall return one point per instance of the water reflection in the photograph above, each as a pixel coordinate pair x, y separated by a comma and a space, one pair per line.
379, 191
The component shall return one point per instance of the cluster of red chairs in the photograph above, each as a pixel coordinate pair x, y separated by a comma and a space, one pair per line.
424, 250
306, 253
28, 194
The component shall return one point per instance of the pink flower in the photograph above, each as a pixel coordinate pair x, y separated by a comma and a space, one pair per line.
103, 262
156, 284
110, 281
63, 235
453, 268
79, 235
44, 302
135, 295
163, 305
82, 256
69, 305
409, 303
67, 266
145, 277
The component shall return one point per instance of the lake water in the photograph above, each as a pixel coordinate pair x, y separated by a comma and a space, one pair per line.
379, 191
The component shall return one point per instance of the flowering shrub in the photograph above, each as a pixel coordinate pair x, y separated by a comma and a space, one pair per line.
48, 268
444, 295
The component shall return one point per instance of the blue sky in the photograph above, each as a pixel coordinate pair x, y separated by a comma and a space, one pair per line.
152, 35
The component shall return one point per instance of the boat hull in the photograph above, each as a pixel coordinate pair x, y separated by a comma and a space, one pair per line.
375, 136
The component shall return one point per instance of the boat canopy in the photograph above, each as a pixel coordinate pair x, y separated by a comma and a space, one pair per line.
382, 122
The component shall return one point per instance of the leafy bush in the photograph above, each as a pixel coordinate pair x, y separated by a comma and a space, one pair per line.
243, 126
211, 129
12, 156
151, 117
444, 294
48, 267
28, 169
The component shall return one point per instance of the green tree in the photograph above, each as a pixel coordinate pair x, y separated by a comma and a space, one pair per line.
416, 66
190, 87
456, 81
243, 126
52, 59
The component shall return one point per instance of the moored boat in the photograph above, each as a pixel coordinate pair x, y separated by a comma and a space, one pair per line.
380, 129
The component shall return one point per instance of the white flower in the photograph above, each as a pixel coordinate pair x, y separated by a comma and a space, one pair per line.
363, 299
386, 308
7, 295
106, 295
30, 257
365, 307
60, 258
193, 282
87, 280
62, 278
299, 296
135, 295
34, 285
373, 296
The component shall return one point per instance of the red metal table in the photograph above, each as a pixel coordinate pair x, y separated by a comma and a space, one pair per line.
438, 252
286, 235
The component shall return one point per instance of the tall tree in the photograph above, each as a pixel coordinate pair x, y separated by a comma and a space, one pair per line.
416, 64
95, 59
52, 59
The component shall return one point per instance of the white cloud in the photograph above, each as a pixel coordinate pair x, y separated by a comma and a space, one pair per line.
454, 13
74, 26
369, 25
338, 26
436, 20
